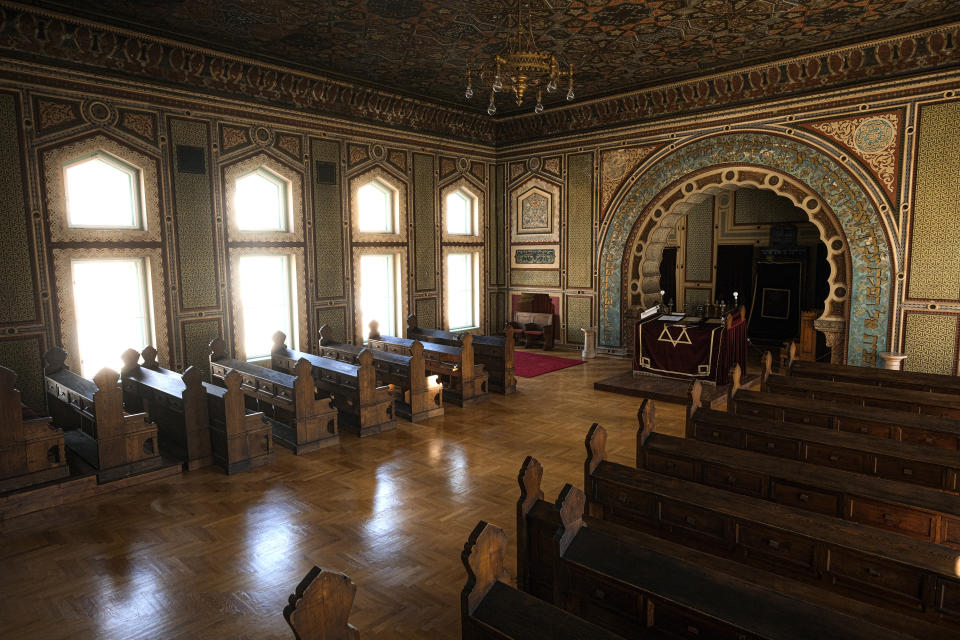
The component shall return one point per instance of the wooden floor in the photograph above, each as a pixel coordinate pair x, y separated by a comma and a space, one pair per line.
203, 555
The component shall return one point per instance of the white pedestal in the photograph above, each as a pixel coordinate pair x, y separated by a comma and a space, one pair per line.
892, 360
589, 342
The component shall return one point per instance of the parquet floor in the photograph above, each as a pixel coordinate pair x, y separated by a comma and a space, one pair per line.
203, 555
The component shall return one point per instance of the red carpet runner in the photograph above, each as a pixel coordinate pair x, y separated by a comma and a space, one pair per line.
531, 365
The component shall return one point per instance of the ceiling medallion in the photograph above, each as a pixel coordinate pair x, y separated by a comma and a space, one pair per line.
520, 67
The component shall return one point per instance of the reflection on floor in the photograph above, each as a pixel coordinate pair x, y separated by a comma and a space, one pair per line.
204, 555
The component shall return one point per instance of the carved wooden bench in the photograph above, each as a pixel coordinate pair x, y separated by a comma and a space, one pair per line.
319, 609
303, 420
862, 395
917, 578
931, 431
417, 396
363, 406
464, 382
495, 353
240, 439
889, 459
639, 587
918, 512
31, 449
96, 428
176, 403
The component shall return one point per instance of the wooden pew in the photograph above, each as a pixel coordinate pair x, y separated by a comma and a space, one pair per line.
96, 428
932, 382
319, 609
31, 448
363, 406
240, 439
490, 608
302, 419
417, 396
930, 431
918, 512
176, 403
495, 353
641, 587
464, 383
915, 577
862, 395
889, 459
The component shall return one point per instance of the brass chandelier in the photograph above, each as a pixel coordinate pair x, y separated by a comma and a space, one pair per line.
521, 67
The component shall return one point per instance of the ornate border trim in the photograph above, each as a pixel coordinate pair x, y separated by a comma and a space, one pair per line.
56, 201
156, 293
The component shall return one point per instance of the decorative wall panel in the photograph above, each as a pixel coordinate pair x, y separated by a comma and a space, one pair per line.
17, 296
327, 223
762, 206
930, 342
424, 222
53, 115
336, 318
426, 310
616, 166
534, 256
935, 234
196, 336
193, 209
698, 261
24, 356
496, 236
579, 315
535, 278
580, 221
534, 211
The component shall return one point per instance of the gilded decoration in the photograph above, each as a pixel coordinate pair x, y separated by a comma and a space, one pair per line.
479, 170
478, 200
481, 282
837, 194
60, 230
290, 145
140, 124
535, 256
398, 188
55, 115
63, 279
357, 154
930, 342
517, 169
232, 138
398, 159
300, 286
534, 205
448, 166
294, 194
616, 166
552, 166
874, 140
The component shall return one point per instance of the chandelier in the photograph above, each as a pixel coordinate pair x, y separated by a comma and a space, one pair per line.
520, 68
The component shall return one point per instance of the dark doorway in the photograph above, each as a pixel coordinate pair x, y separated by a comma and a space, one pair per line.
668, 275
735, 272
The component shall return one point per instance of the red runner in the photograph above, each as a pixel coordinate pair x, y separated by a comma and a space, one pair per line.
531, 365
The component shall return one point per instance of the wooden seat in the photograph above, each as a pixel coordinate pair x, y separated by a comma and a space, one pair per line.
417, 396
641, 587
363, 406
32, 450
113, 443
917, 578
240, 439
176, 404
495, 353
303, 419
319, 608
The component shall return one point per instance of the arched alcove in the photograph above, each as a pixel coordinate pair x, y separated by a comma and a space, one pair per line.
857, 311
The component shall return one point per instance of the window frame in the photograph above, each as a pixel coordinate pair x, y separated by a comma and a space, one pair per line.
391, 194
394, 185
294, 198
479, 293
286, 213
399, 254
395, 286
474, 277
477, 198
298, 288
134, 175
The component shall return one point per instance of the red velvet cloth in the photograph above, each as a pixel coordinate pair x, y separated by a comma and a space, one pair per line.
689, 351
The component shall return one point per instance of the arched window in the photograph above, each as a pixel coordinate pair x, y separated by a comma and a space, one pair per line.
376, 208
102, 192
261, 202
461, 218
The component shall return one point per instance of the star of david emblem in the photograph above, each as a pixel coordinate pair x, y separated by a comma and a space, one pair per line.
682, 338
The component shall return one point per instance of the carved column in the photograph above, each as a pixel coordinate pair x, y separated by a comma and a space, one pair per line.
834, 331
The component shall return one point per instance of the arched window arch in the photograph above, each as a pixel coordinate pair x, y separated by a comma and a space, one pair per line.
262, 201
376, 208
102, 192
461, 213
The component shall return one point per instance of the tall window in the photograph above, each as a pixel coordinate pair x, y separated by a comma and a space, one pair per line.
102, 192
378, 293
261, 202
460, 213
375, 208
462, 303
112, 308
267, 301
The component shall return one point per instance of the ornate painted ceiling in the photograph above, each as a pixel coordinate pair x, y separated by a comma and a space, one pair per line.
421, 47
